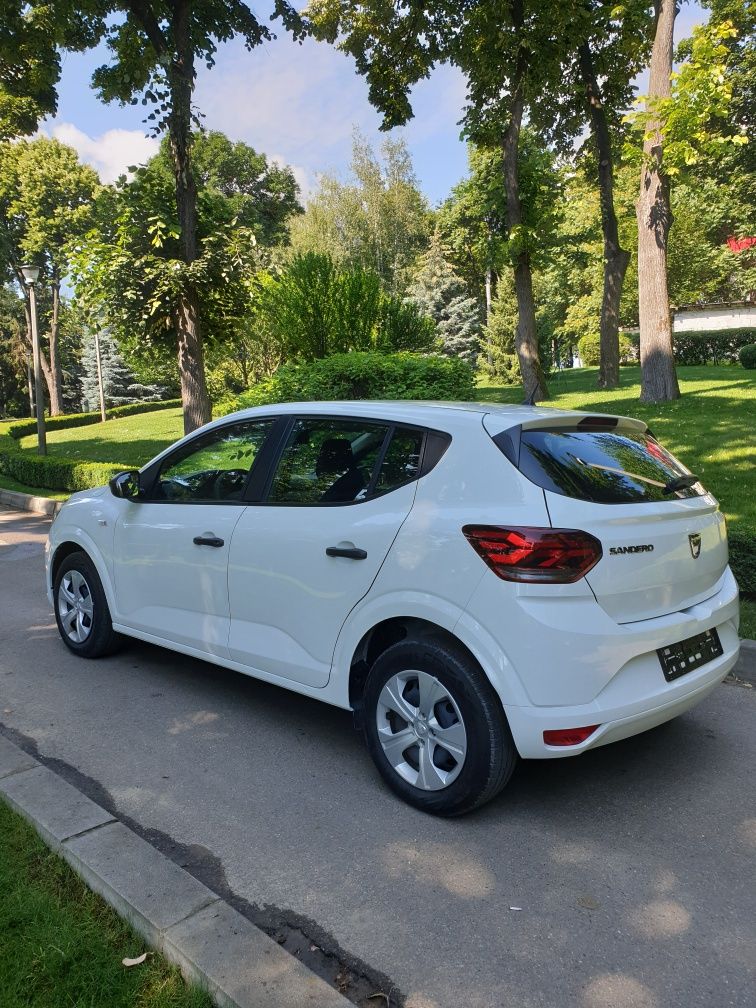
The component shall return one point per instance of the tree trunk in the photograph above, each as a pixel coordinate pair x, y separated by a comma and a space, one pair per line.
616, 259
44, 363
194, 395
658, 375
56, 379
526, 338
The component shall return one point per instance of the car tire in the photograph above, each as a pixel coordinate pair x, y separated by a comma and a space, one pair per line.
81, 609
459, 751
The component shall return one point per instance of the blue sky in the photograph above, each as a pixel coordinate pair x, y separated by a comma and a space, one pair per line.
298, 104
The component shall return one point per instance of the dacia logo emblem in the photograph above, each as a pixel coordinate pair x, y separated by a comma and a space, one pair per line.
695, 545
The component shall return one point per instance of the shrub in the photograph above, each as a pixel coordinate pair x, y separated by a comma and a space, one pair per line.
742, 544
23, 427
589, 350
747, 356
715, 346
364, 376
54, 472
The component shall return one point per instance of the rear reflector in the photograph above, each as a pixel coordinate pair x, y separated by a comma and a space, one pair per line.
568, 736
518, 553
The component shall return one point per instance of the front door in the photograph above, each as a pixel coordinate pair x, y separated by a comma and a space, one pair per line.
305, 557
171, 548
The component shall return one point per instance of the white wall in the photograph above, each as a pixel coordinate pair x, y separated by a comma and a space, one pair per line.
714, 317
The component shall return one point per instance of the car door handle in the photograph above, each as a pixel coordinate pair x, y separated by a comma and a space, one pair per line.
350, 552
208, 540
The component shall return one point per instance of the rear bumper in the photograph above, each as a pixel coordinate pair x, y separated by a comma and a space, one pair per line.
630, 694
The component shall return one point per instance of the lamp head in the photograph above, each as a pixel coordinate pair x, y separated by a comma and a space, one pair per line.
30, 274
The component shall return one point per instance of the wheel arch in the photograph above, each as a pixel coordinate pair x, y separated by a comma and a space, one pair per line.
383, 635
83, 544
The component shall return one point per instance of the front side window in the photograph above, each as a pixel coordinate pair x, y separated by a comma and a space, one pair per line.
328, 462
215, 466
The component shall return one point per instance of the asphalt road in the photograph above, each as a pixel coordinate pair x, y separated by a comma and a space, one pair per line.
633, 867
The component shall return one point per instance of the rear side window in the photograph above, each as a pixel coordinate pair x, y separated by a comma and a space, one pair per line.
401, 463
603, 466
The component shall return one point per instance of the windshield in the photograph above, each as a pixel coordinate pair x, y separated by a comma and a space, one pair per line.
606, 467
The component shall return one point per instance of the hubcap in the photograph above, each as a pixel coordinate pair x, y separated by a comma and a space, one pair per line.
75, 606
421, 730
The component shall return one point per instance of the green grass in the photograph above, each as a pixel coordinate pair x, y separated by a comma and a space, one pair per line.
129, 441
711, 428
62, 945
8, 483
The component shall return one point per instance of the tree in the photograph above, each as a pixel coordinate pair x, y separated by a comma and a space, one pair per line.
441, 295
378, 221
512, 56
681, 126
46, 200
15, 399
119, 385
153, 48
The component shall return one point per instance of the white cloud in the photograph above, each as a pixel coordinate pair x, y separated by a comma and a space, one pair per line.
111, 153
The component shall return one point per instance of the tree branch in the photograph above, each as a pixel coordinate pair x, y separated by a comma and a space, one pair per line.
143, 13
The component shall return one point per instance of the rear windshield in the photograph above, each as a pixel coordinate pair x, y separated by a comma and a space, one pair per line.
607, 467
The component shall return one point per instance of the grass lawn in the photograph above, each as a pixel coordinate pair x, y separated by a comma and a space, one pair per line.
63, 945
8, 483
130, 441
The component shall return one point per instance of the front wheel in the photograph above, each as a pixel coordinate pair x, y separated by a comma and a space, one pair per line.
81, 609
435, 728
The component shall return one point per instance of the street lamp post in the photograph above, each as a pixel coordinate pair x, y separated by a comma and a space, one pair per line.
31, 275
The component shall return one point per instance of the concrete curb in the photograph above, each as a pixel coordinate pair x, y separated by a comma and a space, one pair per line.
28, 502
215, 947
746, 666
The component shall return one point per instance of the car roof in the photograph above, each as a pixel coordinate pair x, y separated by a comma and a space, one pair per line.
423, 412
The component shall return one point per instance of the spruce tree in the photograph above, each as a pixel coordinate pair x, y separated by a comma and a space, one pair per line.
441, 294
119, 384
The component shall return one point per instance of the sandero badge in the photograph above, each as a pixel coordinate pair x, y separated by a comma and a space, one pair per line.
642, 548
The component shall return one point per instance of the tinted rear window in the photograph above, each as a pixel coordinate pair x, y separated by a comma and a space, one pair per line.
606, 467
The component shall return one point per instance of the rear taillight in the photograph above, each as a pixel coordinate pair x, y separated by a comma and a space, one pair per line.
517, 553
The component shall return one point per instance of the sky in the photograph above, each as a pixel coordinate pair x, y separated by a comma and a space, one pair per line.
297, 104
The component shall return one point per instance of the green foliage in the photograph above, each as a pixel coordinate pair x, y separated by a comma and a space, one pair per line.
498, 360
119, 385
742, 545
378, 221
53, 471
747, 356
314, 309
711, 346
364, 376
589, 350
439, 293
694, 121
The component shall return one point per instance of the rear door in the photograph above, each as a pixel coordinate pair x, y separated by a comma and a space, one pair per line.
301, 560
664, 549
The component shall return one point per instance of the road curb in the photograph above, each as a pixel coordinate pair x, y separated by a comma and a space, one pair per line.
213, 945
746, 666
28, 502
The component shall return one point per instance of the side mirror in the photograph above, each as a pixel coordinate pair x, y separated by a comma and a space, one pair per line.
126, 485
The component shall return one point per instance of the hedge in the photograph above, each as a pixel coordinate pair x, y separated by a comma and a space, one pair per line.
715, 346
748, 356
742, 544
53, 472
362, 375
23, 427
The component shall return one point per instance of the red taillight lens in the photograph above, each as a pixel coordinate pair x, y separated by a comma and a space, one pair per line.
568, 736
535, 554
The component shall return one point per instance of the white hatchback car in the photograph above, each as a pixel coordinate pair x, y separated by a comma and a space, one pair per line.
474, 582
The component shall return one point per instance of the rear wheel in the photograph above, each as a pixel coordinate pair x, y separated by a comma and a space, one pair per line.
435, 728
81, 609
